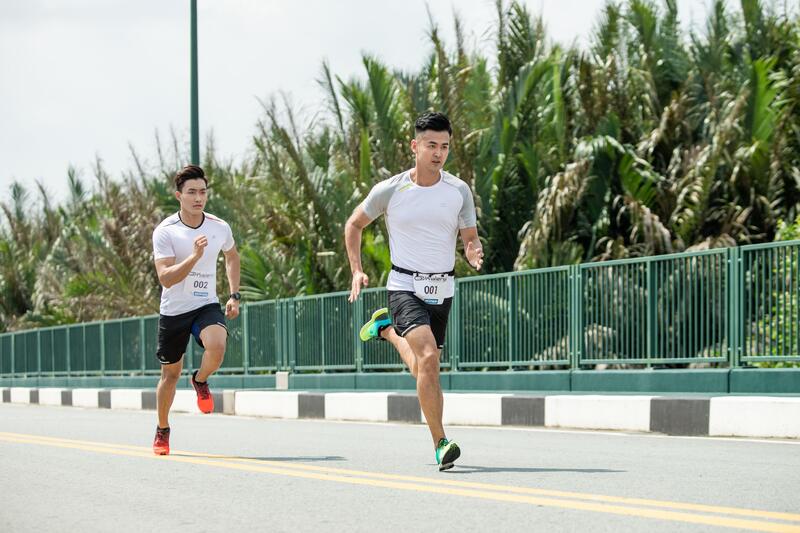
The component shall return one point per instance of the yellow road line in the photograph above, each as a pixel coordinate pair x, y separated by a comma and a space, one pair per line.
453, 483
337, 475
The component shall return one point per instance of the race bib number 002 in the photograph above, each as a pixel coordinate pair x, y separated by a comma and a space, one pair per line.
433, 288
200, 284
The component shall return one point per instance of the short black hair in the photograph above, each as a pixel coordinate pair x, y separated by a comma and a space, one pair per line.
432, 120
189, 172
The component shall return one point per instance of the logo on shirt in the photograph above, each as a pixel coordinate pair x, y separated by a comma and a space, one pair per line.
405, 187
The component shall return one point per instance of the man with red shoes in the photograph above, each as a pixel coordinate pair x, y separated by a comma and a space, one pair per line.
185, 249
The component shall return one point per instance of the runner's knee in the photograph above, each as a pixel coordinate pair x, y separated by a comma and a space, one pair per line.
215, 347
170, 375
428, 361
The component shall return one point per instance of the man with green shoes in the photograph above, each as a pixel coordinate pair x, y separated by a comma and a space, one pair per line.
425, 208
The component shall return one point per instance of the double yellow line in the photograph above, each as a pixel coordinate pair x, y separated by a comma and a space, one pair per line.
711, 515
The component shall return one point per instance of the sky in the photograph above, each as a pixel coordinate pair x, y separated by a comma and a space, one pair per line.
88, 79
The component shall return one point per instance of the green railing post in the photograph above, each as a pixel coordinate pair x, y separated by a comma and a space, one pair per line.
13, 355
22, 363
730, 300
69, 351
280, 333
455, 312
23, 356
285, 337
576, 316
652, 301
740, 318
83, 345
143, 351
358, 312
287, 355
290, 330
245, 339
573, 306
512, 324
102, 349
323, 344
738, 324
38, 353
570, 313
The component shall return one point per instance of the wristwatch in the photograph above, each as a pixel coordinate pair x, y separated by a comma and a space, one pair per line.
235, 296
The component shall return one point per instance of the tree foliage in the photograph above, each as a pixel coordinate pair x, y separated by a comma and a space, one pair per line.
648, 140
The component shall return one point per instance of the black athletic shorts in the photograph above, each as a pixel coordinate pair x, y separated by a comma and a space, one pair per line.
408, 312
174, 331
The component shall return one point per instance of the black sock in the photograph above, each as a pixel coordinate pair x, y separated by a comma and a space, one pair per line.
380, 330
194, 377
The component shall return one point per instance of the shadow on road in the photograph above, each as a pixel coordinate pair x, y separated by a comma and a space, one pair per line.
469, 469
299, 458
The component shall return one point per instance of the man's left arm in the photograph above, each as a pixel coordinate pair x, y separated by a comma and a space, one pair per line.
232, 269
473, 248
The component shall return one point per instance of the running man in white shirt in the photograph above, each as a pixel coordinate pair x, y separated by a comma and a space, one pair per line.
185, 249
425, 209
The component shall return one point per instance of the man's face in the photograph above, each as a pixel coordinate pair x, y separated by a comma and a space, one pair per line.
431, 149
193, 196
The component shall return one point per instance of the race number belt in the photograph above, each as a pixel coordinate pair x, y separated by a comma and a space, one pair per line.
431, 288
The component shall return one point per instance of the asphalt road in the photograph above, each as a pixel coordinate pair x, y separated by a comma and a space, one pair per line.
72, 469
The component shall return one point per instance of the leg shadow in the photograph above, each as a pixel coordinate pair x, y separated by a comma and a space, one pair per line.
472, 469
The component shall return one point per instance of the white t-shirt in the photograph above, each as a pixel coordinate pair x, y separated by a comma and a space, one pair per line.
173, 238
423, 223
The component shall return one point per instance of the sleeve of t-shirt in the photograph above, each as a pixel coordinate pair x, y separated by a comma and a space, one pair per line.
466, 217
162, 244
376, 202
229, 242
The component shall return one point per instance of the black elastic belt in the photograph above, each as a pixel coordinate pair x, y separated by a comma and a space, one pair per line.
411, 272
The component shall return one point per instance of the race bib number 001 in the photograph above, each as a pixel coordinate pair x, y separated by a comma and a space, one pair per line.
433, 288
200, 284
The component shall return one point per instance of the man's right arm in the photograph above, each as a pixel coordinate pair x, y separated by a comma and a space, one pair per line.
352, 241
170, 274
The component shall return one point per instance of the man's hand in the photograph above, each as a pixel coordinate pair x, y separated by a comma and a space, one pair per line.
232, 308
359, 280
199, 245
474, 255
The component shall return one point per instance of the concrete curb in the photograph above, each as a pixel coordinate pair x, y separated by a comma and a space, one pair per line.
680, 416
626, 413
740, 416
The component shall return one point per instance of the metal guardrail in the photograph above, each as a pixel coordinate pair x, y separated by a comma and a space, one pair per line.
730, 307
661, 310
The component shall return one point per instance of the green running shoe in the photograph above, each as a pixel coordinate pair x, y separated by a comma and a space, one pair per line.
372, 329
447, 451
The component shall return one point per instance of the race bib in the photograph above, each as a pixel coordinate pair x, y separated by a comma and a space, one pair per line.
200, 284
433, 288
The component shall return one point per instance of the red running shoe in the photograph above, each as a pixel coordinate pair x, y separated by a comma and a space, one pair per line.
205, 402
161, 442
